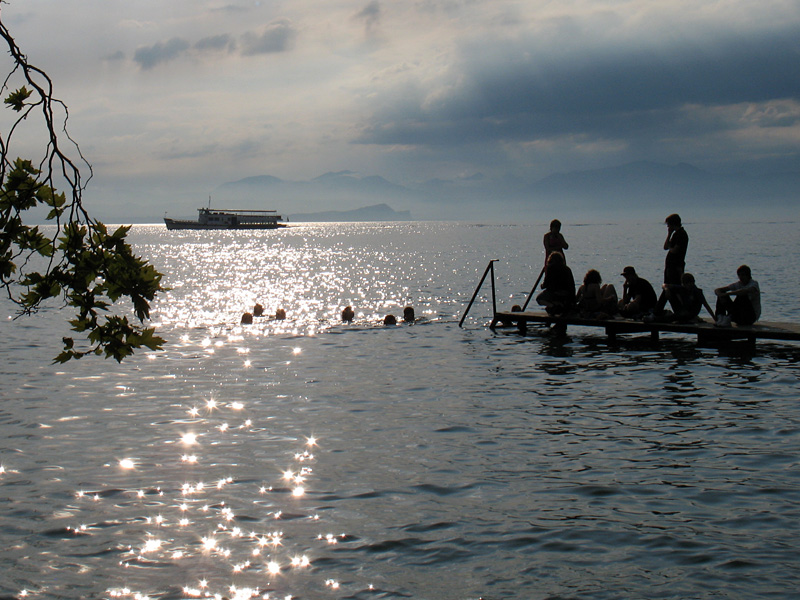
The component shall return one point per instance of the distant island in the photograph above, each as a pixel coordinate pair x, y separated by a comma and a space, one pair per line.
377, 212
638, 188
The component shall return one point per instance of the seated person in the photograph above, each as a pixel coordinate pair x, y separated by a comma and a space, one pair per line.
638, 297
559, 286
594, 299
686, 299
741, 300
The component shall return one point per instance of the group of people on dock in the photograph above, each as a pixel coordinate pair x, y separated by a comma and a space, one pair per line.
738, 302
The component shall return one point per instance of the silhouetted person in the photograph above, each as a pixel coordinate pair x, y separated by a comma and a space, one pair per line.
554, 240
247, 318
559, 286
638, 296
686, 299
740, 301
258, 310
676, 245
390, 320
348, 314
594, 299
280, 314
408, 314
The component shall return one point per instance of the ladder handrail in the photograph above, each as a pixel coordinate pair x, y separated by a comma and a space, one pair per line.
533, 289
489, 267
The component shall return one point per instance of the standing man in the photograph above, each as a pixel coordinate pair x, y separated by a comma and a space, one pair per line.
676, 244
554, 240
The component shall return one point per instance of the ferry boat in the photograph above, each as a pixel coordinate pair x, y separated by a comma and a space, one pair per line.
215, 218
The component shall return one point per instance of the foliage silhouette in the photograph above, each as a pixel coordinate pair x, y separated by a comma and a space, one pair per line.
73, 259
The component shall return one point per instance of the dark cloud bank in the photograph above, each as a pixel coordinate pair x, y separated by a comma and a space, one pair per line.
524, 90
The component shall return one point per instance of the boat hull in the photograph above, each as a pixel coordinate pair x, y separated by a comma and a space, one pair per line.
174, 224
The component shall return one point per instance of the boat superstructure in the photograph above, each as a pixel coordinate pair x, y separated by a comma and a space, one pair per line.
217, 218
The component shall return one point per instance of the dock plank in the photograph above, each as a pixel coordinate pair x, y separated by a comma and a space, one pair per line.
704, 330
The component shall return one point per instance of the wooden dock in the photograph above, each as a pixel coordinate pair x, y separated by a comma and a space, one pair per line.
707, 333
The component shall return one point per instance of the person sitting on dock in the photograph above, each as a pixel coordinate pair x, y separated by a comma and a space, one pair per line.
554, 240
558, 296
740, 301
595, 300
686, 300
638, 296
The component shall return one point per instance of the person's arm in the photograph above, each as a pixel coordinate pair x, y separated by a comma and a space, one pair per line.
746, 289
723, 291
667, 242
564, 243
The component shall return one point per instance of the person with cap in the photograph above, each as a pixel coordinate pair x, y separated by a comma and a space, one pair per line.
638, 296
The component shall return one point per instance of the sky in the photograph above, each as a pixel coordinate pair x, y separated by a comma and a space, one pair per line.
170, 99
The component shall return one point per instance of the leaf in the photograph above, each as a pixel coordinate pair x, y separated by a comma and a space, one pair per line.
16, 100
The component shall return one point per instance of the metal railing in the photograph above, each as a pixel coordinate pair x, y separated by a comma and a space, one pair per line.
489, 267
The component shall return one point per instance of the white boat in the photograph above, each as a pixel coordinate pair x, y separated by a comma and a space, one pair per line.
215, 218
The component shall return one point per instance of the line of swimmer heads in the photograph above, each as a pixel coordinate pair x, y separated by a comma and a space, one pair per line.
348, 314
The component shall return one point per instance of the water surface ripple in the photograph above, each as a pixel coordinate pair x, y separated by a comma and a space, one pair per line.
308, 458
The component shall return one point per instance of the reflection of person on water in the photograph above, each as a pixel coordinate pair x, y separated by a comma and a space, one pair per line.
559, 286
554, 240
740, 301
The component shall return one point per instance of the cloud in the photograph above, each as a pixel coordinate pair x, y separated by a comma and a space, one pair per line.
371, 15
537, 87
149, 57
216, 43
278, 36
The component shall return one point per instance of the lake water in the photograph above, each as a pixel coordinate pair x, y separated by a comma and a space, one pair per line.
311, 459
